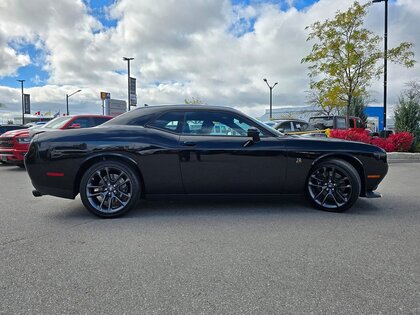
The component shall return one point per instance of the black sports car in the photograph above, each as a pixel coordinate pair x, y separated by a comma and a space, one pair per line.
197, 150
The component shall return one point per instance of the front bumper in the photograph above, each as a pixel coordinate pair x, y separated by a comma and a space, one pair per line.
12, 156
372, 194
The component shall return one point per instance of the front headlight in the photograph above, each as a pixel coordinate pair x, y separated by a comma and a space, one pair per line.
24, 140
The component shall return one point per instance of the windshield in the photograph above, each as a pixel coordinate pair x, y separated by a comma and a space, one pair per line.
57, 123
266, 126
275, 131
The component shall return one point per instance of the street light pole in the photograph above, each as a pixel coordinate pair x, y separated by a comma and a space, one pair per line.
67, 100
385, 55
23, 106
128, 59
271, 96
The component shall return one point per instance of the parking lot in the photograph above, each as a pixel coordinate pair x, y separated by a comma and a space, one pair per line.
270, 255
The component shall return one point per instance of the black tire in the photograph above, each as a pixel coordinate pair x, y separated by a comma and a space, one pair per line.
333, 185
109, 189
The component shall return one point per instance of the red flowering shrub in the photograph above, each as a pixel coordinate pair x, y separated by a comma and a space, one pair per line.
385, 144
402, 141
359, 135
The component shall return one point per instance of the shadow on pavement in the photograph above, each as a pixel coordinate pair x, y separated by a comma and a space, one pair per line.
12, 168
220, 206
6, 165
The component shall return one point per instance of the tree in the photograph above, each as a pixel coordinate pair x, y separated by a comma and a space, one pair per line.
344, 60
193, 101
407, 113
357, 108
322, 99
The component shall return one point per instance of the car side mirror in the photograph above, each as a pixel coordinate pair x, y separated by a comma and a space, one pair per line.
254, 133
74, 126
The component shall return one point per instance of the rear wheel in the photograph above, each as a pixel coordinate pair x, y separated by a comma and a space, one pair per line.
333, 185
109, 189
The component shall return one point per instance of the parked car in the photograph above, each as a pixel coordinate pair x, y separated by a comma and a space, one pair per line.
9, 127
14, 144
295, 126
336, 122
5, 128
34, 124
154, 151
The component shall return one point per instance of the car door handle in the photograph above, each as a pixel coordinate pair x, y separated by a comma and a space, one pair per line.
189, 143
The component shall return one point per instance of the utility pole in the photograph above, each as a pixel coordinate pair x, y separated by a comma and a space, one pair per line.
385, 55
271, 96
23, 106
67, 100
128, 59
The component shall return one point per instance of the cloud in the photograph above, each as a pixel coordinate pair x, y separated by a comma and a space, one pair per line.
10, 59
212, 50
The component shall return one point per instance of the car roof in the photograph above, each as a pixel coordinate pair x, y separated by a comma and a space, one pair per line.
283, 120
332, 116
87, 115
159, 108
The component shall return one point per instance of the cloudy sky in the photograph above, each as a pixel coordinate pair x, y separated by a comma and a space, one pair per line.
215, 50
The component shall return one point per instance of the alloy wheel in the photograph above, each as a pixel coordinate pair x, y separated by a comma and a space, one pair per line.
109, 190
330, 187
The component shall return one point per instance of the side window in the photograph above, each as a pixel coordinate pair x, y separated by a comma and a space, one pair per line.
285, 126
99, 120
215, 124
351, 123
171, 121
84, 122
341, 123
304, 126
299, 126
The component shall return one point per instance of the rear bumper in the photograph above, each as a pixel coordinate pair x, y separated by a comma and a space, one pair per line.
40, 169
53, 191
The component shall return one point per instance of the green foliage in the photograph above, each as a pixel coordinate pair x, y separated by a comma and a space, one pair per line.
407, 113
194, 101
357, 108
344, 59
325, 100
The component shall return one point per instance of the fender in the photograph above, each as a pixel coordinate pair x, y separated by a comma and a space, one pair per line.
90, 160
353, 160
334, 154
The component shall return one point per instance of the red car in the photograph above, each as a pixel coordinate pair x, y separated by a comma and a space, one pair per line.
14, 144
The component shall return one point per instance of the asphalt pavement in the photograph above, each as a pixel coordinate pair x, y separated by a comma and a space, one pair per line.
262, 256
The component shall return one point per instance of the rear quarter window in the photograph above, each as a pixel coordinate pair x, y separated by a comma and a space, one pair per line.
170, 121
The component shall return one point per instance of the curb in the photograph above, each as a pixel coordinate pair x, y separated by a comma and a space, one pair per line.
403, 157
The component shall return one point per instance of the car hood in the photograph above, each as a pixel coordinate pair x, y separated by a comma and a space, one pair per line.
36, 130
354, 145
16, 133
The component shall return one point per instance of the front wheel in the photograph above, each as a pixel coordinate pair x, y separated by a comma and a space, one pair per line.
109, 189
333, 185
